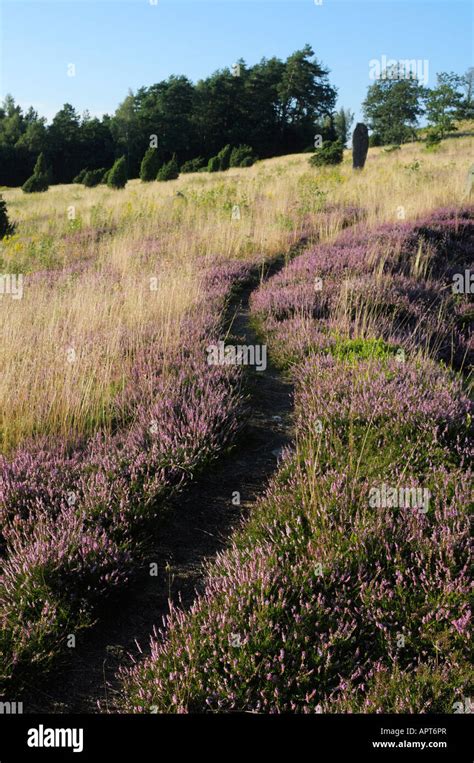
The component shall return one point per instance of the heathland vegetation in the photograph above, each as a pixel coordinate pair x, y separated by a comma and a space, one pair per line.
125, 243
109, 407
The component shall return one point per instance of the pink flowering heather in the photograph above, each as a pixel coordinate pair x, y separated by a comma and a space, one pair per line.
72, 523
331, 598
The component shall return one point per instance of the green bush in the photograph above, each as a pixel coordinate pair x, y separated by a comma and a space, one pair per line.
242, 156
117, 176
80, 177
106, 177
193, 165
375, 140
93, 177
35, 184
213, 164
39, 181
330, 153
6, 227
169, 171
224, 157
150, 165
433, 138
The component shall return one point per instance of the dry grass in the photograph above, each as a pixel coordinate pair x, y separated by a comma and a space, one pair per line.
103, 247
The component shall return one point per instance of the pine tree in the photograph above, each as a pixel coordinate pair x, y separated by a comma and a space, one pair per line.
92, 178
342, 124
39, 181
214, 164
193, 165
117, 176
242, 156
150, 165
224, 157
330, 153
80, 176
6, 227
41, 167
169, 171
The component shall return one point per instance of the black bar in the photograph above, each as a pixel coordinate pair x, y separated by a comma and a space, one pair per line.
313, 737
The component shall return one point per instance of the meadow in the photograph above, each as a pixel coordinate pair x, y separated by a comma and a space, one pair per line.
108, 407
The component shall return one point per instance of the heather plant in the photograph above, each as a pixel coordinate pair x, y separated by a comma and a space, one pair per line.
326, 600
74, 525
357, 583
98, 290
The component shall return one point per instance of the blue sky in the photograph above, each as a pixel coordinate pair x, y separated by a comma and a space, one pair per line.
120, 44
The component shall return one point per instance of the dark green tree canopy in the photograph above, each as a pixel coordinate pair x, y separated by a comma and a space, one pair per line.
274, 107
444, 102
393, 107
117, 176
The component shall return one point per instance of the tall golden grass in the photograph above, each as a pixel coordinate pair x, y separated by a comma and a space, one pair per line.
68, 345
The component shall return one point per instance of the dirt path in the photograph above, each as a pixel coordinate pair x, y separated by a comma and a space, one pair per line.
199, 525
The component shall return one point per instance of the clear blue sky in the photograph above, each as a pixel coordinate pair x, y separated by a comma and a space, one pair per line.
120, 44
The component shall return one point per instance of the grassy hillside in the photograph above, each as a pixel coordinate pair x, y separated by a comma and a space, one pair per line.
121, 265
108, 407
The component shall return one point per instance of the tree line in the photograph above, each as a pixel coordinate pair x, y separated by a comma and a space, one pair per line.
396, 102
272, 108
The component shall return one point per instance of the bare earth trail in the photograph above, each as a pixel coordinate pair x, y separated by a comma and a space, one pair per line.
198, 525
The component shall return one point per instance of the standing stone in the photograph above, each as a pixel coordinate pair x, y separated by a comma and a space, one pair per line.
360, 146
470, 180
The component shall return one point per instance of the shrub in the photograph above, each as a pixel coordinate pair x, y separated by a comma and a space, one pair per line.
117, 176
375, 140
433, 138
6, 227
93, 177
224, 157
169, 171
330, 153
39, 181
35, 184
80, 177
106, 177
242, 156
150, 165
214, 164
193, 165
